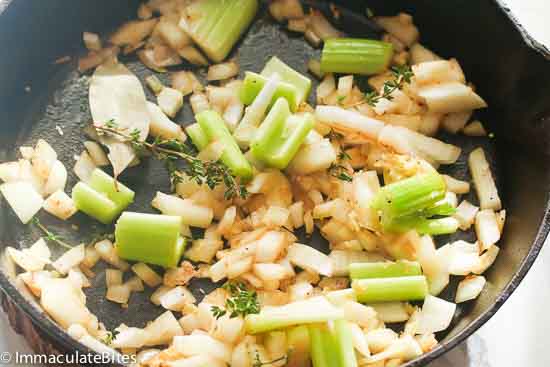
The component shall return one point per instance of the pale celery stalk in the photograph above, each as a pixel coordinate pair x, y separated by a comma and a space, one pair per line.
401, 268
324, 347
437, 226
94, 203
253, 84
214, 128
216, 25
344, 342
410, 288
355, 56
150, 238
198, 137
121, 195
299, 347
288, 75
295, 313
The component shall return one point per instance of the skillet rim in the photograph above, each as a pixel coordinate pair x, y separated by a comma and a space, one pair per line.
62, 340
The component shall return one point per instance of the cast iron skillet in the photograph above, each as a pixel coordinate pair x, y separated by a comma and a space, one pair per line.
509, 69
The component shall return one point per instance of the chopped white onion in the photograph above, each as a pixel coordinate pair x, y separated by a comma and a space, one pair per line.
148, 275
192, 214
69, 259
163, 329
462, 257
487, 259
199, 102
310, 259
113, 277
119, 293
43, 159
60, 204
96, 153
436, 315
359, 340
91, 41
170, 101
222, 71
487, 229
23, 199
483, 180
84, 167
469, 288
391, 312
176, 298
451, 97
192, 345
108, 254
9, 171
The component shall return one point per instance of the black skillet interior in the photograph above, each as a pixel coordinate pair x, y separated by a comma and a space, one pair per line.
511, 76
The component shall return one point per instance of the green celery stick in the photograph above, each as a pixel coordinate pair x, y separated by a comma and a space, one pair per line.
198, 137
355, 56
215, 129
295, 313
121, 195
401, 268
97, 205
253, 84
422, 225
409, 196
290, 76
150, 238
324, 346
344, 341
299, 347
216, 25
410, 288
280, 135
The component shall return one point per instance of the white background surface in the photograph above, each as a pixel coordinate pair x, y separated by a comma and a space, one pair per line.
517, 335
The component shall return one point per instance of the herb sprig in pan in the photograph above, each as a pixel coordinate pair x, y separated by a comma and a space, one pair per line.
241, 302
170, 151
401, 74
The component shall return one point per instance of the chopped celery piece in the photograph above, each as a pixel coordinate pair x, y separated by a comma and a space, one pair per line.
253, 84
150, 238
290, 76
280, 135
324, 347
198, 137
344, 342
410, 288
355, 56
299, 347
401, 268
121, 195
216, 25
214, 128
422, 225
295, 313
97, 205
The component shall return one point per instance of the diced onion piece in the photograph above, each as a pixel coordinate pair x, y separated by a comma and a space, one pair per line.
436, 315
176, 298
118, 293
300, 291
321, 26
362, 315
128, 337
454, 122
23, 199
228, 330
430, 123
462, 257
161, 126
312, 38
347, 120
26, 260
172, 34
391, 312
158, 293
9, 171
91, 257
297, 25
133, 32
191, 54
200, 344
91, 41
501, 219
313, 158
135, 284
60, 204
236, 268
96, 153
326, 87
154, 84
359, 339
310, 259
401, 26
297, 214
147, 57
469, 288
192, 214
270, 246
199, 102
170, 101
113, 277
440, 71
270, 272
466, 214
484, 183
84, 167
345, 84
222, 71
43, 159
487, 228
487, 259
148, 275
451, 97
144, 11
421, 54
341, 259
405, 348
456, 186
69, 259
233, 114
163, 329
78, 278
108, 254
474, 128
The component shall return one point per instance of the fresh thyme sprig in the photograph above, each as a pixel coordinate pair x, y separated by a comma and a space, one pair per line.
52, 237
241, 302
401, 75
170, 151
336, 169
